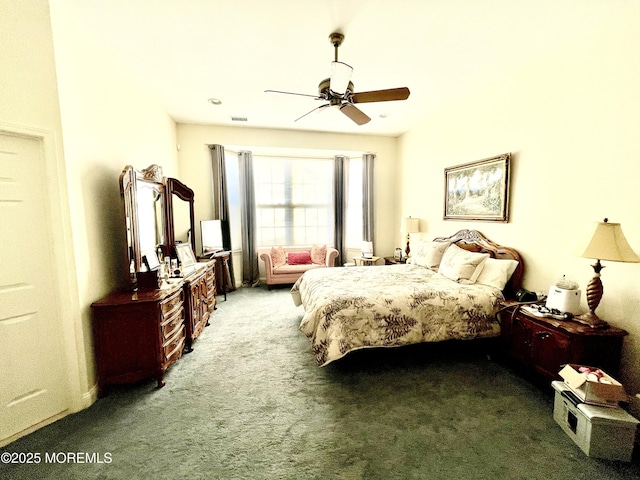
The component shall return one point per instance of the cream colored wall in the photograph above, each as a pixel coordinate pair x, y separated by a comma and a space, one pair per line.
195, 164
571, 122
29, 106
108, 121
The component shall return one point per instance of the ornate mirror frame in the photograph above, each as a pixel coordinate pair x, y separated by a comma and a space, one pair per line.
144, 220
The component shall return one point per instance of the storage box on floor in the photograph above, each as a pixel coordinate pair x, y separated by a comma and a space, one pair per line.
602, 390
603, 432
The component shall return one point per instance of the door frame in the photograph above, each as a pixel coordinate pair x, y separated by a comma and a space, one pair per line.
64, 284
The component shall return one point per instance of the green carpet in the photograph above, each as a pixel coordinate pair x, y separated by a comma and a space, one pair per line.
250, 403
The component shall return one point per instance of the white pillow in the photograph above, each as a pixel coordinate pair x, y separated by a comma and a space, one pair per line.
428, 254
497, 273
462, 266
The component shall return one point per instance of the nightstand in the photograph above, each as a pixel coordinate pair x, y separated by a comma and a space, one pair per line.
359, 261
394, 261
542, 345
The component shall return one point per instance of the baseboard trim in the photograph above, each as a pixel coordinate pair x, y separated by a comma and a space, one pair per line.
33, 428
90, 397
86, 400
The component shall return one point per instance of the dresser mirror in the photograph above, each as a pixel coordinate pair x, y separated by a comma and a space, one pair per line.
150, 216
159, 213
181, 222
143, 194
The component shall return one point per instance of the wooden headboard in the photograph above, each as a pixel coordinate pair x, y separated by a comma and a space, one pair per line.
475, 241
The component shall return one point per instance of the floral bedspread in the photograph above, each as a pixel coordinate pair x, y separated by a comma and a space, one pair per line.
350, 308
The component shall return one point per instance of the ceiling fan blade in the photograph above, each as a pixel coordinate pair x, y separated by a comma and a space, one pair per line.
292, 93
354, 113
340, 76
381, 95
317, 109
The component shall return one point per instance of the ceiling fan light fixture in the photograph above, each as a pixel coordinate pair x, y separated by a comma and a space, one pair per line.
340, 76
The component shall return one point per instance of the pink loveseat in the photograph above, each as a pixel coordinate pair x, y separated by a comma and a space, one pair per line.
289, 274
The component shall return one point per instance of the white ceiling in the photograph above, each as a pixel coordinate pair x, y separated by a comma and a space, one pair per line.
187, 51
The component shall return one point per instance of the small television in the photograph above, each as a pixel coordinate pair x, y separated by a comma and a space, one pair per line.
211, 236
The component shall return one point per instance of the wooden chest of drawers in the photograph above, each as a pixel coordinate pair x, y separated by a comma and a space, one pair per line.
138, 335
200, 297
542, 345
141, 334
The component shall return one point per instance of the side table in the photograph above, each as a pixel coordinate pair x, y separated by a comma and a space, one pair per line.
394, 261
365, 261
223, 276
543, 345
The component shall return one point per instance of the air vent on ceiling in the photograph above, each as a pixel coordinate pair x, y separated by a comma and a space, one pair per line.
239, 119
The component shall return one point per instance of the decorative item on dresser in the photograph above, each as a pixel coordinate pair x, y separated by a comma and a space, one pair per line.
543, 344
141, 331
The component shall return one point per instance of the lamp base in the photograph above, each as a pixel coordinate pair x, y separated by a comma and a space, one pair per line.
591, 319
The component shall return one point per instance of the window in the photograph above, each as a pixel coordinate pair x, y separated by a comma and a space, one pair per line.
294, 200
233, 198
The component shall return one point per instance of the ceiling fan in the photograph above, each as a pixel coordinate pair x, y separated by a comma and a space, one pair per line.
338, 90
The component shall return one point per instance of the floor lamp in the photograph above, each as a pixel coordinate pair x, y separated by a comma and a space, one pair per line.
409, 226
608, 243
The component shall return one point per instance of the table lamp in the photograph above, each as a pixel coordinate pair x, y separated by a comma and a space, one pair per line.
367, 250
409, 226
608, 243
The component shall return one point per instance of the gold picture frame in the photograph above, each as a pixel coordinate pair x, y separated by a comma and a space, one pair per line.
478, 190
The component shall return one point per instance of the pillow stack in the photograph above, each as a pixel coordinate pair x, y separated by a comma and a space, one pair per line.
317, 255
461, 265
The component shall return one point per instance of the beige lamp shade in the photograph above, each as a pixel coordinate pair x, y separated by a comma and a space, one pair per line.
410, 225
609, 243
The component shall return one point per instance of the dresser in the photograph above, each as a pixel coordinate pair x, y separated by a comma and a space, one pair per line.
542, 345
141, 334
138, 335
200, 296
141, 331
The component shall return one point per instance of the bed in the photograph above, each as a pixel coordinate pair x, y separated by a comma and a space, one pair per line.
452, 289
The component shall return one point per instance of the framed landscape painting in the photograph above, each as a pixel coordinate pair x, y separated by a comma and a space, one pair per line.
478, 190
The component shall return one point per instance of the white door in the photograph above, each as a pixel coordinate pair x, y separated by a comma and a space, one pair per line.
33, 382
